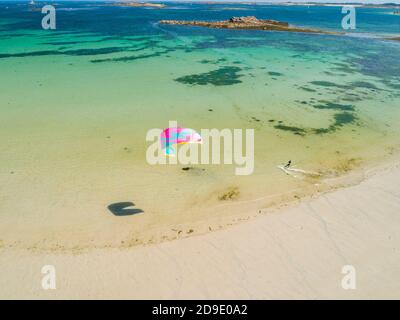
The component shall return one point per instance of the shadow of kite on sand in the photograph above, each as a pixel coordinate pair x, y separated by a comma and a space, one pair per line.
123, 209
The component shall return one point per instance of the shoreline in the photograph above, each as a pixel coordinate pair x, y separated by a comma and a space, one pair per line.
266, 257
245, 210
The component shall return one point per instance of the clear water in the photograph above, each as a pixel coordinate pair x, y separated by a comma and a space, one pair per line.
76, 103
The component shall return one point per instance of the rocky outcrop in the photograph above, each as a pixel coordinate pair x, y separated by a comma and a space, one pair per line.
248, 23
139, 4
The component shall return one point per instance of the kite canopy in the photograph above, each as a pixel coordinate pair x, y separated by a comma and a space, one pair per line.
177, 135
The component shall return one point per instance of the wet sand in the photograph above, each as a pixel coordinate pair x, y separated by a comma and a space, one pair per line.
293, 253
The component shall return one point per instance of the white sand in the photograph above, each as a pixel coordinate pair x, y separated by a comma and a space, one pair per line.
297, 252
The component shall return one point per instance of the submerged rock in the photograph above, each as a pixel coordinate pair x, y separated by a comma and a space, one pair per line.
249, 22
231, 194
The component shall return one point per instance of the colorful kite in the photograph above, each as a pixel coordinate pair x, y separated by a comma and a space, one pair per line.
175, 136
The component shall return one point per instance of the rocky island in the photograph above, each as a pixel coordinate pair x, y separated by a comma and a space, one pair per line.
138, 4
247, 23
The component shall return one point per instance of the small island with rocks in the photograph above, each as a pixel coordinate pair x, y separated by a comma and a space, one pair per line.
247, 23
138, 4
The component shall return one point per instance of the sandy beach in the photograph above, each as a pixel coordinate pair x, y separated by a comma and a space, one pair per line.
294, 253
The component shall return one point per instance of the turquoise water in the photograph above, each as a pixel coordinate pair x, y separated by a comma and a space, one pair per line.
76, 103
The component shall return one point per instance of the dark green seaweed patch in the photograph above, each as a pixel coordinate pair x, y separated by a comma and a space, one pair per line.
207, 61
77, 52
345, 70
341, 64
81, 52
14, 35
324, 83
352, 85
334, 106
324, 130
364, 84
351, 98
223, 76
129, 58
327, 84
29, 54
275, 74
57, 43
344, 67
91, 52
343, 118
307, 89
63, 43
295, 130
340, 119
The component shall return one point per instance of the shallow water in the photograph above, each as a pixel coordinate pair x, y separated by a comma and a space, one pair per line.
76, 104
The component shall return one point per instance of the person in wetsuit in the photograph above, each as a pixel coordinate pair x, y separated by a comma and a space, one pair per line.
288, 164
